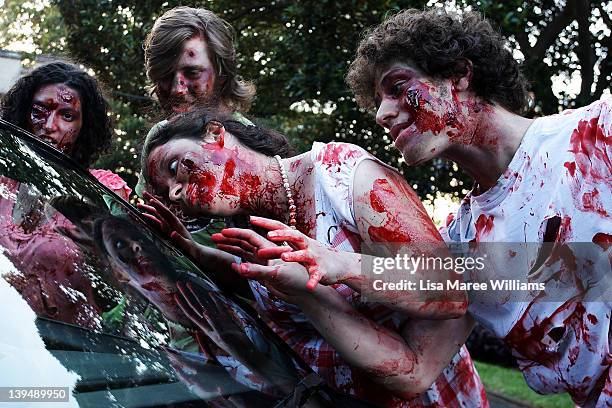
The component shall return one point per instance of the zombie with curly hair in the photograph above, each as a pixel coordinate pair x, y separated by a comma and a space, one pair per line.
445, 85
62, 105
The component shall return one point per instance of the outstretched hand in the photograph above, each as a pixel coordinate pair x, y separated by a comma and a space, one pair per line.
248, 245
321, 262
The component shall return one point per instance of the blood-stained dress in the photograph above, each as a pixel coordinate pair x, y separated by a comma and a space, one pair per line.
457, 386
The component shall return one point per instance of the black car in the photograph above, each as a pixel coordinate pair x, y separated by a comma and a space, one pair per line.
91, 300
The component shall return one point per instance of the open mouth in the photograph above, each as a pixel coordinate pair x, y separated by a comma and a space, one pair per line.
47, 140
396, 130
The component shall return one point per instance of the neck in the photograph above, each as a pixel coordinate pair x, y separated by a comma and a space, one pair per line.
490, 145
261, 186
269, 197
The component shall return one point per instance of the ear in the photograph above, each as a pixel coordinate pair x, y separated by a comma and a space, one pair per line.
464, 74
214, 133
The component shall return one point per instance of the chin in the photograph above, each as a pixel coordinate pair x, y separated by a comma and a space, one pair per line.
417, 155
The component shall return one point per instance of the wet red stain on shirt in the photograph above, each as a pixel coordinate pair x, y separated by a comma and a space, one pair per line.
591, 148
591, 201
336, 154
603, 240
484, 226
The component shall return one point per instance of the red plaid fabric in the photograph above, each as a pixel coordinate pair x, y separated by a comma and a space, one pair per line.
458, 386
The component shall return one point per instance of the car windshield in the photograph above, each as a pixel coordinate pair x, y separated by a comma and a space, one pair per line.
88, 284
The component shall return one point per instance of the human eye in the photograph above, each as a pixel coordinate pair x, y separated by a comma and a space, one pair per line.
120, 244
396, 88
68, 116
173, 167
193, 73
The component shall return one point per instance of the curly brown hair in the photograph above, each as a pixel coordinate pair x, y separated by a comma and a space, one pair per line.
438, 43
97, 130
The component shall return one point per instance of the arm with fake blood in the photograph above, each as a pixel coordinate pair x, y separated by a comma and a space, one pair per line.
405, 362
393, 223
331, 266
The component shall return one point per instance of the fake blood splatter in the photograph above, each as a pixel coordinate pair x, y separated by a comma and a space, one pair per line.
227, 182
591, 201
338, 154
527, 335
571, 167
591, 148
592, 165
603, 240
484, 226
430, 108
384, 198
201, 187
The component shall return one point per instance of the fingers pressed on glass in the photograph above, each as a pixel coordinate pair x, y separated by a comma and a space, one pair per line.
255, 271
248, 235
273, 252
315, 276
302, 256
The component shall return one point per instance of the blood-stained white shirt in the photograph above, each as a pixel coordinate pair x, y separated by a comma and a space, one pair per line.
562, 174
458, 385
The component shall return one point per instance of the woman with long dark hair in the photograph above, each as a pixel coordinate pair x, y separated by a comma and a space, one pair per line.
210, 164
64, 106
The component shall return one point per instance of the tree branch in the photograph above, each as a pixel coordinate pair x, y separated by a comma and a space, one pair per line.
584, 51
550, 33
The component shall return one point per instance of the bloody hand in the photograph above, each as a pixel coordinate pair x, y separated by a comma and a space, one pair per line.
161, 217
248, 245
321, 262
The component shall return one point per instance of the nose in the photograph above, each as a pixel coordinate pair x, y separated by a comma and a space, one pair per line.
175, 192
135, 247
179, 85
387, 111
50, 126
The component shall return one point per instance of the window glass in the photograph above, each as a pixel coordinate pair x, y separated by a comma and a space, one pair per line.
110, 296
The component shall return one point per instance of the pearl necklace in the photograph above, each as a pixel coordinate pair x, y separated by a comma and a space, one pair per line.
292, 207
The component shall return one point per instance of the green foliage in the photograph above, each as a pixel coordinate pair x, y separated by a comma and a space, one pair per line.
297, 53
509, 382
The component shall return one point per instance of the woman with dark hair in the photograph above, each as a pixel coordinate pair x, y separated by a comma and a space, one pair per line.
212, 165
59, 102
63, 106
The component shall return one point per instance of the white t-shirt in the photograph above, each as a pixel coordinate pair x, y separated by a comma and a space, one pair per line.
562, 172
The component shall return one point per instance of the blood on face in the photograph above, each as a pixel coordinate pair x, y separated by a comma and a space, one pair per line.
55, 116
426, 115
